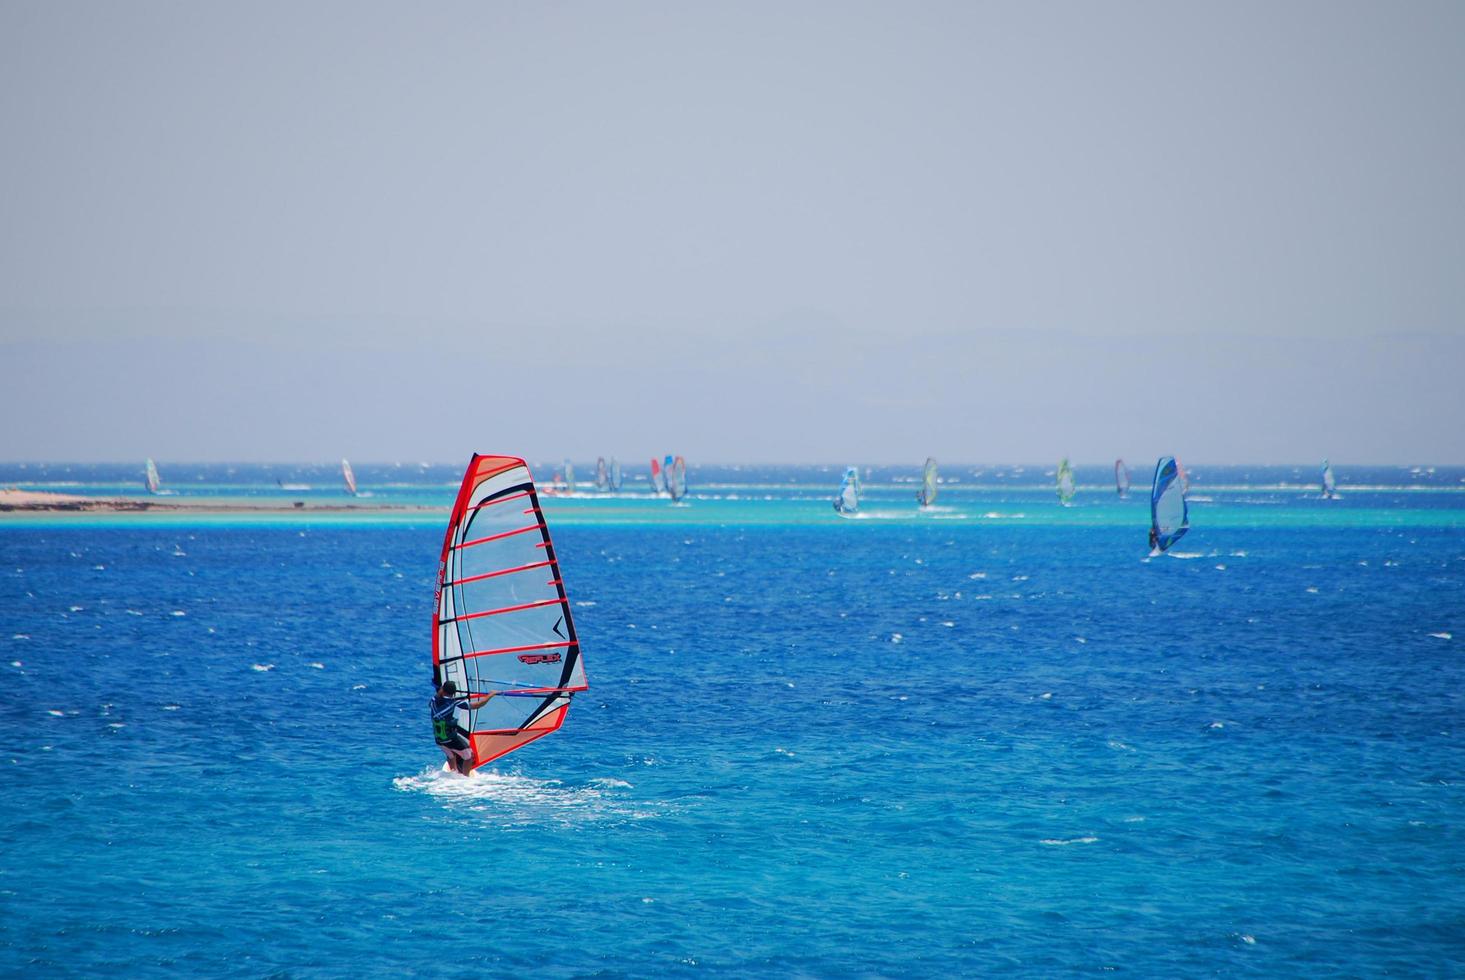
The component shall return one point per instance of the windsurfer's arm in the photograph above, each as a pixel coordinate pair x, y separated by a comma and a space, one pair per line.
481, 700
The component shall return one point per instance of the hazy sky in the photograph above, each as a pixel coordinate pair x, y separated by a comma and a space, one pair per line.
825, 232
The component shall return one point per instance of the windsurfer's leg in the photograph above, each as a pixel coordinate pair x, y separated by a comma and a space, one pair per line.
460, 755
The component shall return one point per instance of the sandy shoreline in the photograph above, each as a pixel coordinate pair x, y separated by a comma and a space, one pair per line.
12, 499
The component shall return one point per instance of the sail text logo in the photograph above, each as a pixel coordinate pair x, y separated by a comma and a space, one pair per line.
539, 658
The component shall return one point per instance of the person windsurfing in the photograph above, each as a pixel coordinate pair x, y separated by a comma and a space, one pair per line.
444, 705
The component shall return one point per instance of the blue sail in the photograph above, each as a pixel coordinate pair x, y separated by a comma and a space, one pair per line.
1169, 514
848, 501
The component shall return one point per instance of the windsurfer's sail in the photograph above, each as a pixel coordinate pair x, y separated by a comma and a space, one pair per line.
153, 483
927, 494
658, 479
1121, 478
569, 477
1065, 482
615, 474
349, 477
502, 622
602, 475
1169, 515
1330, 485
848, 500
676, 477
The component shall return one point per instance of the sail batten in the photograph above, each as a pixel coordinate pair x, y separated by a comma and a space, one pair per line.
521, 649
502, 571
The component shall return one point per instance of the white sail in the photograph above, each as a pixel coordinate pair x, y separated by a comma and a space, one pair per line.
1065, 482
502, 621
927, 494
676, 478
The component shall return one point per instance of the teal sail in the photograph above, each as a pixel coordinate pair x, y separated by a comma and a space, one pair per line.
1065, 482
848, 500
927, 494
1169, 514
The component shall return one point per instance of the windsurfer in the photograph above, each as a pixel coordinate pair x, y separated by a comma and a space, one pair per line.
444, 706
1154, 539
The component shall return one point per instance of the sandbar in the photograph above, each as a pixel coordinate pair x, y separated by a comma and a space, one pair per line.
13, 499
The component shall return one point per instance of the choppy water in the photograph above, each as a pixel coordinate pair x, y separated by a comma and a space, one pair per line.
959, 743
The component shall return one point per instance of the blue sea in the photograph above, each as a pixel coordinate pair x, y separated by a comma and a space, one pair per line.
990, 738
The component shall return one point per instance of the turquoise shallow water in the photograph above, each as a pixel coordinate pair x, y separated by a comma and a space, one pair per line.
960, 743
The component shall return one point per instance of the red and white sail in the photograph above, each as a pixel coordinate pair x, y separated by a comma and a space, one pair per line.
349, 477
502, 621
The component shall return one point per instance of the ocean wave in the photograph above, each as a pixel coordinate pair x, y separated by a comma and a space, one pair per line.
525, 800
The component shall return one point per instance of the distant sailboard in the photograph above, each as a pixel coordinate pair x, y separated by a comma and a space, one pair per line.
154, 484
1121, 478
1169, 514
1330, 485
349, 477
569, 478
1065, 483
502, 622
676, 477
602, 475
658, 479
615, 475
847, 502
926, 496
